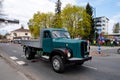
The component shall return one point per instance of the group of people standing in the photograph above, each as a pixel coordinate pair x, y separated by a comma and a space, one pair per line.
107, 42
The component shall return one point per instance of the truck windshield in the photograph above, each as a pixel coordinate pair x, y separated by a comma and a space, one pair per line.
60, 34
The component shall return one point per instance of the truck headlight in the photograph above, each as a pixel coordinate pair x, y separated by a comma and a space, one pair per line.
68, 53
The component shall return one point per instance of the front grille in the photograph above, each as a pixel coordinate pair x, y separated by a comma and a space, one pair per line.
83, 48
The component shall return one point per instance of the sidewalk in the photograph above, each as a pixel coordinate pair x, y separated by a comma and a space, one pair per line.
8, 73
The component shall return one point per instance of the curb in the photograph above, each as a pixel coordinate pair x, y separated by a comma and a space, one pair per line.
17, 67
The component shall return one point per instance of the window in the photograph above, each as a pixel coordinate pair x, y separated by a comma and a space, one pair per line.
47, 34
103, 24
60, 34
26, 33
103, 20
15, 34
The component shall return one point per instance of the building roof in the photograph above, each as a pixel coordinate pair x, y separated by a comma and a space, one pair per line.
21, 30
101, 17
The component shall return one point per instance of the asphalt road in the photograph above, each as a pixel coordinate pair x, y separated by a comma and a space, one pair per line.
9, 73
100, 68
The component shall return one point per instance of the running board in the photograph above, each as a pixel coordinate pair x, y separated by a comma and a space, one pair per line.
44, 58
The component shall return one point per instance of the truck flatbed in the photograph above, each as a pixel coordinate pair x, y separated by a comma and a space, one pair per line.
32, 43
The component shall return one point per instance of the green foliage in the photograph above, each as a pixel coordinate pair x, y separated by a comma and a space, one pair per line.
116, 28
73, 18
40, 20
89, 10
58, 7
76, 20
57, 22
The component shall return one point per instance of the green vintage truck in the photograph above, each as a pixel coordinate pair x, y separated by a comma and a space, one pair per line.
56, 45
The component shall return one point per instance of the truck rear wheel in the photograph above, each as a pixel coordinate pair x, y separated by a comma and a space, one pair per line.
29, 55
57, 64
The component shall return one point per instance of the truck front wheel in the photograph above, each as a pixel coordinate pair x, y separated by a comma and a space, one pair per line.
57, 64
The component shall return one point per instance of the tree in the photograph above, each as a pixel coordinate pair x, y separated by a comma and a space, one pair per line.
40, 20
22, 27
116, 28
57, 23
76, 20
89, 10
58, 7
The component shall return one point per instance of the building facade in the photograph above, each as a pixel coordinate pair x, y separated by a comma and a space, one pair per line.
19, 34
101, 24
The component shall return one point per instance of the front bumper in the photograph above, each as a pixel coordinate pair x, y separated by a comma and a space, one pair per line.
79, 60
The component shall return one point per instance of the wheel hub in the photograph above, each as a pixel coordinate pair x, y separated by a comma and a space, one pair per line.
56, 64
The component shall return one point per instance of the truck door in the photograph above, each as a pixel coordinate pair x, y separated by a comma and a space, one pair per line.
47, 41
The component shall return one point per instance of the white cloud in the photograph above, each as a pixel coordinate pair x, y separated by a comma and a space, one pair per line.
24, 9
64, 2
112, 21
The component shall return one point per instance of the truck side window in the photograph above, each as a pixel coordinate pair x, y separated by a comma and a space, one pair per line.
46, 34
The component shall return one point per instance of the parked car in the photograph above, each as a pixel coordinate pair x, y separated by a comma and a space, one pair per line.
17, 41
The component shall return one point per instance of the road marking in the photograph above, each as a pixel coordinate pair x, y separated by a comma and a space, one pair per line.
13, 58
20, 62
90, 67
23, 56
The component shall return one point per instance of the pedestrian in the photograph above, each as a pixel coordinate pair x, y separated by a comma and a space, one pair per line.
111, 43
117, 43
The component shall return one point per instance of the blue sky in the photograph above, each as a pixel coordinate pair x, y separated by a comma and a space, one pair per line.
24, 10
107, 8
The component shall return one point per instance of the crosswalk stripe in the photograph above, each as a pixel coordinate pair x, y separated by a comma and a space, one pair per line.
20, 62
90, 67
23, 56
13, 58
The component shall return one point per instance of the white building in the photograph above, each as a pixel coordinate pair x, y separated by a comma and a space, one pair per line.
19, 34
101, 24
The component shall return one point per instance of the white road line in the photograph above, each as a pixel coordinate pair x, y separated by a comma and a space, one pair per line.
23, 56
20, 62
90, 67
13, 58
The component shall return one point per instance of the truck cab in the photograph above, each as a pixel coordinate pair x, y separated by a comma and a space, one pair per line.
59, 48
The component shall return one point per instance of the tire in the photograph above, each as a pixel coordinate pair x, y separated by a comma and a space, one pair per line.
29, 55
57, 64
118, 51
